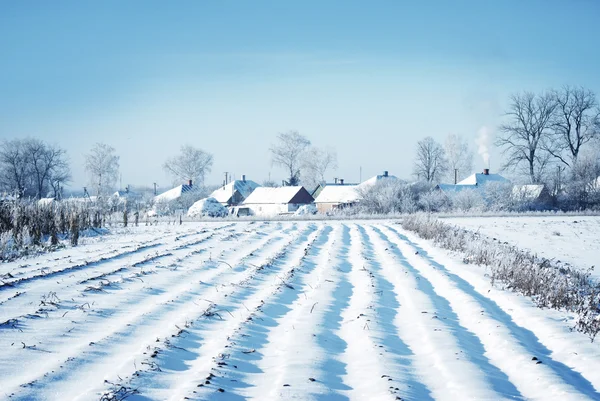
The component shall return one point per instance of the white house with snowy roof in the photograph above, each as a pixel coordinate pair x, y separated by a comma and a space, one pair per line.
266, 201
234, 192
476, 181
480, 179
336, 197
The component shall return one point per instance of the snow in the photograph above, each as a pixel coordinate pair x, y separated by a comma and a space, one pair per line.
338, 194
207, 207
267, 195
571, 239
482, 179
224, 194
323, 310
306, 210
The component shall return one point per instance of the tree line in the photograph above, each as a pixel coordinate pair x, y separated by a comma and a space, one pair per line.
33, 168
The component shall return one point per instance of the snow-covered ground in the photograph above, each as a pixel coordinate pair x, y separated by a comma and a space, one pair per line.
571, 239
314, 310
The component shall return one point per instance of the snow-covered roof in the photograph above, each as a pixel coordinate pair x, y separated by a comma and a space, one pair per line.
374, 180
530, 192
268, 195
125, 194
174, 193
482, 179
455, 188
245, 188
337, 194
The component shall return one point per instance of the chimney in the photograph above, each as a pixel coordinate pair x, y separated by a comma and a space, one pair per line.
341, 181
335, 180
385, 173
244, 177
190, 183
486, 171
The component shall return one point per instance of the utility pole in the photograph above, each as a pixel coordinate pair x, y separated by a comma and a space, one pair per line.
226, 172
154, 189
455, 176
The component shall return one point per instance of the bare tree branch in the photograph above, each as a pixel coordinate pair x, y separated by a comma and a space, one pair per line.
430, 162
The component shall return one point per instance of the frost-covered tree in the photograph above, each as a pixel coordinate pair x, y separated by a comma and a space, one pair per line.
190, 164
288, 152
526, 132
576, 121
102, 166
317, 163
430, 161
31, 167
459, 157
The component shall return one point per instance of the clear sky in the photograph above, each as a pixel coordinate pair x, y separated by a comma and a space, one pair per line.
367, 78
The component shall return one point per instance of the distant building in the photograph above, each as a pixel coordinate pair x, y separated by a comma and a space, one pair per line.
479, 179
476, 181
385, 177
337, 181
174, 193
533, 194
235, 192
264, 201
333, 197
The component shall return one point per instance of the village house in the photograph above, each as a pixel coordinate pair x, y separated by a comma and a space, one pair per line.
333, 197
265, 201
235, 192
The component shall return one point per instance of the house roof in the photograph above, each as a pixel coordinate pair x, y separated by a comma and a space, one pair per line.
279, 195
530, 192
174, 193
374, 180
245, 188
455, 188
337, 194
482, 179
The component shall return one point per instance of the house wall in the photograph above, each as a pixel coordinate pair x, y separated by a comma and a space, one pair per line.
324, 207
269, 209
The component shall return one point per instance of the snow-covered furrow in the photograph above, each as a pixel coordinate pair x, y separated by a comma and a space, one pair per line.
93, 261
402, 373
361, 331
207, 342
433, 337
75, 285
537, 371
293, 356
128, 309
274, 311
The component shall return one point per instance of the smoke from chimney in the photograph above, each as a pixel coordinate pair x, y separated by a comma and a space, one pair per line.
483, 143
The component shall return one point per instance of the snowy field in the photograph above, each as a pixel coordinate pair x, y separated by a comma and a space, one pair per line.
570, 239
279, 311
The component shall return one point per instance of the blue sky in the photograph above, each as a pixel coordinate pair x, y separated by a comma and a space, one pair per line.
369, 79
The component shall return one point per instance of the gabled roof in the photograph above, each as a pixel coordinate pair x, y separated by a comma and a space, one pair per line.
245, 188
279, 195
174, 193
337, 194
527, 192
482, 179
